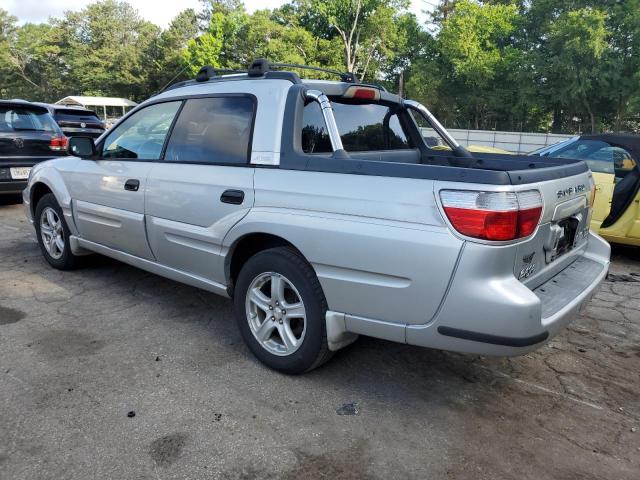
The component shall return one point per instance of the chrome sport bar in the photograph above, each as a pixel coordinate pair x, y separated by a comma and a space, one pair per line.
458, 149
329, 119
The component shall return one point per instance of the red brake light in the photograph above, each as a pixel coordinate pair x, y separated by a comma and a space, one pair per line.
362, 93
58, 144
499, 216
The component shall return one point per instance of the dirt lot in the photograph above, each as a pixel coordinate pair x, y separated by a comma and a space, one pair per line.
80, 350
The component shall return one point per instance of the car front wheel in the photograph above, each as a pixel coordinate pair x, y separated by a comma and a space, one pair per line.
53, 234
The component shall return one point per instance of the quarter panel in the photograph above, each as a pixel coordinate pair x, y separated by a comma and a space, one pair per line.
366, 196
379, 245
392, 271
49, 174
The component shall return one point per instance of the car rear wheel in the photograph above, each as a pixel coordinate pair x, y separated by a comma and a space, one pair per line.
53, 234
280, 310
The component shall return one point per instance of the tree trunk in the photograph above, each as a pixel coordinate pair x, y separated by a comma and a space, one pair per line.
401, 85
556, 126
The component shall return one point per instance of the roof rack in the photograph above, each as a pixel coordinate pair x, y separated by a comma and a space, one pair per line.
207, 72
260, 66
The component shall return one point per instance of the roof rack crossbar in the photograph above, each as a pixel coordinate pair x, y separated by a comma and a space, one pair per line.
260, 66
207, 72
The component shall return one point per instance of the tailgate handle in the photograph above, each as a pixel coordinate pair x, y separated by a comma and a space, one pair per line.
234, 197
132, 185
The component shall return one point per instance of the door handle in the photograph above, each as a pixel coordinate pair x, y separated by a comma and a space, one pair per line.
234, 197
132, 185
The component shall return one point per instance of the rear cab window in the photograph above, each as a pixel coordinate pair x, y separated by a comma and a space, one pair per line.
363, 127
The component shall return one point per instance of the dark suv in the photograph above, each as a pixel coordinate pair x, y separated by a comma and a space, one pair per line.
76, 121
28, 135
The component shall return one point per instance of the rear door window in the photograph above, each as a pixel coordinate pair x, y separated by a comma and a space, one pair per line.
363, 128
213, 130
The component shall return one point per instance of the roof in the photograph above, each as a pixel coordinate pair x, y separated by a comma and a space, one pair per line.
101, 101
53, 107
22, 104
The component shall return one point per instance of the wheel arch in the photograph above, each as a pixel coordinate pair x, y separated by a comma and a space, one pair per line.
247, 245
38, 190
49, 180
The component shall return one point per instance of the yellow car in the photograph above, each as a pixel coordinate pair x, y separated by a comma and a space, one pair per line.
475, 149
614, 161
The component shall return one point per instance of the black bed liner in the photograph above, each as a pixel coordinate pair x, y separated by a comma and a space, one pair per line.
504, 172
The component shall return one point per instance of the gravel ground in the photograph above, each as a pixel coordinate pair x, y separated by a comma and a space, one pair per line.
112, 373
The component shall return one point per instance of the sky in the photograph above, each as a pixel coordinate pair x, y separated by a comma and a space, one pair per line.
37, 11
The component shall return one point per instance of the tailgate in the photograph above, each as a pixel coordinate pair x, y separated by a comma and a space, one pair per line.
563, 231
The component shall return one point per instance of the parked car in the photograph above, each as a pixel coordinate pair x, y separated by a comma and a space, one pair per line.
76, 121
614, 160
28, 135
318, 207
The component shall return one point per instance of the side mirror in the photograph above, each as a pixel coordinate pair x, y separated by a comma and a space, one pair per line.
82, 147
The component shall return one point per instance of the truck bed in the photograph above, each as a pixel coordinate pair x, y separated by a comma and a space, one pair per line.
488, 168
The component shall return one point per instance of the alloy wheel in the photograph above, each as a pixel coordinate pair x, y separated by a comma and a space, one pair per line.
276, 314
52, 233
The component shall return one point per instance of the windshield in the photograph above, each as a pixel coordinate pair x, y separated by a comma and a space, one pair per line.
601, 156
15, 119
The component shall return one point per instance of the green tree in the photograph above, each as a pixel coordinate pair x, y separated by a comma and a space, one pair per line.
106, 46
475, 44
166, 56
578, 43
365, 28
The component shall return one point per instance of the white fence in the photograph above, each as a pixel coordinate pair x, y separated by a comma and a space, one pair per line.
516, 142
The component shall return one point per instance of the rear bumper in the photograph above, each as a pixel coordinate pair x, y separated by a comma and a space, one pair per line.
504, 317
12, 186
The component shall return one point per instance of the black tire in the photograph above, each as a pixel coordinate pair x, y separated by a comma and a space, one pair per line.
67, 261
313, 351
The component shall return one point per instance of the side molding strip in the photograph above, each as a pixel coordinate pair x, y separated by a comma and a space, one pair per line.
152, 267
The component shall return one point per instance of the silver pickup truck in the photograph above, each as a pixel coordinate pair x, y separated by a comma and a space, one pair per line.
318, 207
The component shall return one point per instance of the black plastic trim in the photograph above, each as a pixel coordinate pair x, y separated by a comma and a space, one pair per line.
12, 186
493, 339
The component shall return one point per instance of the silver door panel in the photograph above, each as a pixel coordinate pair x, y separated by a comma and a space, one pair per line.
113, 227
102, 182
104, 211
186, 221
190, 194
187, 247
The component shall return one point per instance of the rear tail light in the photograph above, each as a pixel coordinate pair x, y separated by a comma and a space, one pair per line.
59, 144
498, 216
